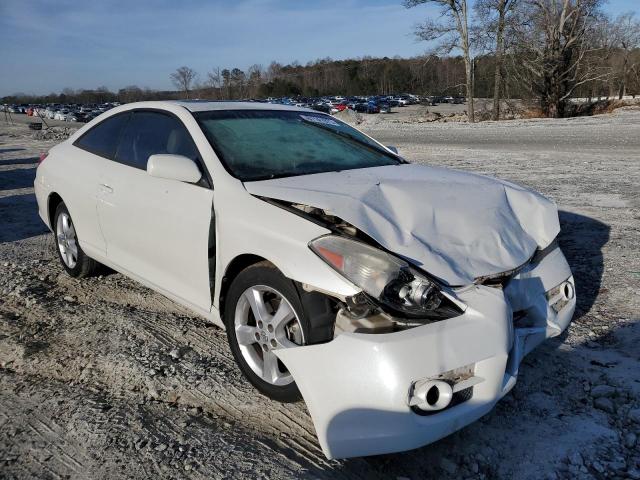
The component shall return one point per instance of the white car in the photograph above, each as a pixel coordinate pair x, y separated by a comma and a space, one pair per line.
71, 117
61, 115
397, 299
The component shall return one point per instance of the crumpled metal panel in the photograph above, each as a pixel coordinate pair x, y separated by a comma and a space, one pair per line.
356, 387
455, 225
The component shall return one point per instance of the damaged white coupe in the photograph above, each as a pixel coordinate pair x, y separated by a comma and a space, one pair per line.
396, 299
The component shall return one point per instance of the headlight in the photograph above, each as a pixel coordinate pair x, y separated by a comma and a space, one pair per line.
386, 278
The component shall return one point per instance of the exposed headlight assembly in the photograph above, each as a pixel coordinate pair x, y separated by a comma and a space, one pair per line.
391, 281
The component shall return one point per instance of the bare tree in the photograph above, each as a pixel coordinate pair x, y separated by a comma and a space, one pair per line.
554, 46
273, 71
626, 35
254, 74
452, 29
214, 80
226, 82
182, 78
494, 16
604, 39
131, 93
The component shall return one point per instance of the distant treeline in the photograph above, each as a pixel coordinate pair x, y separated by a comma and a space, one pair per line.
429, 75
424, 75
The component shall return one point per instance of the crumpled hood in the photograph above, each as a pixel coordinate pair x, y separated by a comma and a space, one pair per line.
455, 225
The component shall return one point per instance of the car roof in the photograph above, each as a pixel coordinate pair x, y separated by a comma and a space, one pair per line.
207, 105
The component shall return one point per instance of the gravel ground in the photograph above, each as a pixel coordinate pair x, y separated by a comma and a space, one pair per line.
103, 378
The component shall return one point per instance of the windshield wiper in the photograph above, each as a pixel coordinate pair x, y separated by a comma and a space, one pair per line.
354, 139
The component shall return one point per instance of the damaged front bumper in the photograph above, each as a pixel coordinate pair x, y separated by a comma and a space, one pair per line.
358, 386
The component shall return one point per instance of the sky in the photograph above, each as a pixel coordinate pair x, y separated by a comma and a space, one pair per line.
48, 45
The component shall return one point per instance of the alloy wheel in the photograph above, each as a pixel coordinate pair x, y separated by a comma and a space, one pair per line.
67, 240
265, 321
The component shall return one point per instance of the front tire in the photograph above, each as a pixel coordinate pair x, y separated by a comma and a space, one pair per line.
73, 259
263, 313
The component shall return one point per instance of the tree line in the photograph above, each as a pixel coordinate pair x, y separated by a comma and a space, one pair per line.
423, 75
549, 50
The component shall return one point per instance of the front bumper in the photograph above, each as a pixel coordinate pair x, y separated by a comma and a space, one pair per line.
356, 387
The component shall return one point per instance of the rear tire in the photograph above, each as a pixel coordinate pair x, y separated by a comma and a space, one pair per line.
72, 257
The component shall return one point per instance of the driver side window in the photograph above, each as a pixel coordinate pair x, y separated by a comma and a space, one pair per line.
149, 133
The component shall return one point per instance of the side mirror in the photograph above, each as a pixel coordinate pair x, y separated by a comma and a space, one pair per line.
173, 167
393, 149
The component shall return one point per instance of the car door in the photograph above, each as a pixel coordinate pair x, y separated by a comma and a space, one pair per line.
158, 229
98, 148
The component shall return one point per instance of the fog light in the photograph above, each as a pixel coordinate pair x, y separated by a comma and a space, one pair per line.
558, 297
567, 290
431, 395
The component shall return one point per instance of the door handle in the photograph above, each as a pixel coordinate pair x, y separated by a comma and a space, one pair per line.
105, 188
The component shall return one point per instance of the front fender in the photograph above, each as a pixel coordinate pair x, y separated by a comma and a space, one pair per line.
252, 226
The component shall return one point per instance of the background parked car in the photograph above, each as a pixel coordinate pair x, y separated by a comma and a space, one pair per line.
368, 107
384, 107
61, 115
321, 107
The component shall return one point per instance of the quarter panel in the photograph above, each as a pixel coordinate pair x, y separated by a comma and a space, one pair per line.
73, 174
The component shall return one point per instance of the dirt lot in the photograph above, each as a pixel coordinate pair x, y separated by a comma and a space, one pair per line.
103, 378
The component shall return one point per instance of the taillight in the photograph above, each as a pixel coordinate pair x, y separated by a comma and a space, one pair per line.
42, 157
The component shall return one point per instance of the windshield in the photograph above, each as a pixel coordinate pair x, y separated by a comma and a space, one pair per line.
265, 144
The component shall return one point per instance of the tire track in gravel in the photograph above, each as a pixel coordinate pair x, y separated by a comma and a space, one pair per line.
64, 454
210, 342
221, 389
159, 434
235, 398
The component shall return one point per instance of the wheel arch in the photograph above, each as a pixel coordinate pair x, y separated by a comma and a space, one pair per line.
52, 204
317, 306
234, 267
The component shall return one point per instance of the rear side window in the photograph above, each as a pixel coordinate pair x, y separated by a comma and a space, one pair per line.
103, 138
150, 133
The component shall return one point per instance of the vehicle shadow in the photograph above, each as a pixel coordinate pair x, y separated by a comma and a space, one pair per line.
17, 178
581, 239
19, 218
8, 150
19, 161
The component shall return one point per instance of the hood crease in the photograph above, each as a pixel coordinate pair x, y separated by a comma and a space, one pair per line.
455, 225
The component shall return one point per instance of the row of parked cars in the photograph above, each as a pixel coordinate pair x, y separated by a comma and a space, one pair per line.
362, 104
437, 99
331, 105
63, 112
365, 104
